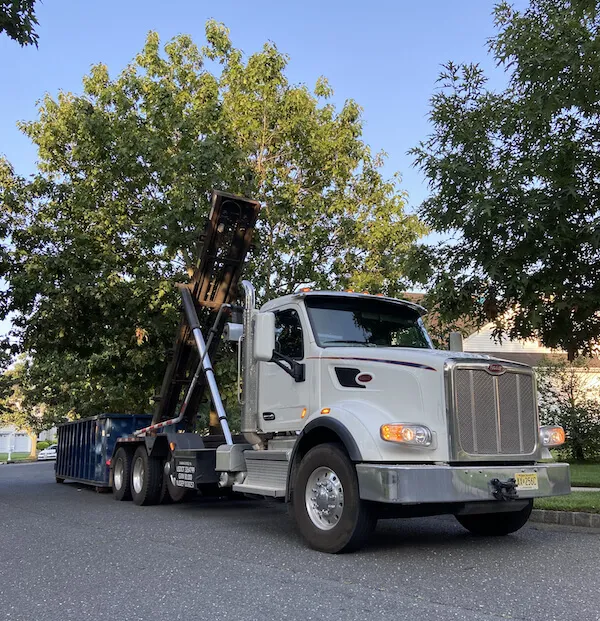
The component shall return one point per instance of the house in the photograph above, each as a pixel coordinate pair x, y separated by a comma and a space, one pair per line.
530, 352
481, 341
21, 442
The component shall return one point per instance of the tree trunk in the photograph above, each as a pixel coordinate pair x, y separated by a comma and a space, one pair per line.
33, 438
578, 452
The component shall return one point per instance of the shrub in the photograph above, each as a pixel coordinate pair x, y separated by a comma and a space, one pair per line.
567, 399
582, 429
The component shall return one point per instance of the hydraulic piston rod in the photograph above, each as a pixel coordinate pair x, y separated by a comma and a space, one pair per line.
194, 324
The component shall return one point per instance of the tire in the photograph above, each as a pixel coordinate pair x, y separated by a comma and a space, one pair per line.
169, 491
333, 519
496, 524
59, 480
146, 478
121, 475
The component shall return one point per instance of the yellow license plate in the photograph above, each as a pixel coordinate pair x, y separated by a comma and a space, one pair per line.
526, 480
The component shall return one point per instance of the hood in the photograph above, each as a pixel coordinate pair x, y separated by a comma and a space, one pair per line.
428, 359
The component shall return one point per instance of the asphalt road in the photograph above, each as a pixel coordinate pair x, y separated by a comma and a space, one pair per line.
68, 553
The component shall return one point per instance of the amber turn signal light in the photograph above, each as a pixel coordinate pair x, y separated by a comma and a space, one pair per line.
552, 436
415, 435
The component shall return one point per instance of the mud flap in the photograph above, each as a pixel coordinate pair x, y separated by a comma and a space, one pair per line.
195, 468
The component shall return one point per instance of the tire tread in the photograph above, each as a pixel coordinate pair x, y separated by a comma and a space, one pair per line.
125, 492
150, 493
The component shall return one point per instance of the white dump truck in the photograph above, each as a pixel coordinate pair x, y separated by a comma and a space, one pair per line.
348, 412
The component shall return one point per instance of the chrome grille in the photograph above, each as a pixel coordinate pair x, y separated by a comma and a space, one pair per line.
495, 414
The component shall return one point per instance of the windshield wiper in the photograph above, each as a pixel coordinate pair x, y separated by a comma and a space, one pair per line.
365, 343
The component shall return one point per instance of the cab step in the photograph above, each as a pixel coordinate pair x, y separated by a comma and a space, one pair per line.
266, 473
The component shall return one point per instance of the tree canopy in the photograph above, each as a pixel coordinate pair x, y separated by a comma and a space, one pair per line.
17, 19
98, 237
514, 180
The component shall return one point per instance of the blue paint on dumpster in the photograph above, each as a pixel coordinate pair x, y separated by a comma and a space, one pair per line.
85, 446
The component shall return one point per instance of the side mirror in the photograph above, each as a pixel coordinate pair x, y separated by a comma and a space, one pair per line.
264, 336
456, 341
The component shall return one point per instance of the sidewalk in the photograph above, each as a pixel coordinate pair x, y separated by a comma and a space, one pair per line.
585, 489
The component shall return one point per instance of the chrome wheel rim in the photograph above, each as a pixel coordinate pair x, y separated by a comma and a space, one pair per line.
168, 470
118, 474
324, 498
138, 475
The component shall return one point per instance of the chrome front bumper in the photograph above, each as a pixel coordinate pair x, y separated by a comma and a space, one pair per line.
416, 484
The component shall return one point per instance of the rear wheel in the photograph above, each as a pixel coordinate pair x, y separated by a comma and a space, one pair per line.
146, 478
171, 492
326, 502
496, 524
59, 480
121, 466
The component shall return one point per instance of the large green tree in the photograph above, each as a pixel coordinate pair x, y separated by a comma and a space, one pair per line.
17, 19
514, 180
100, 235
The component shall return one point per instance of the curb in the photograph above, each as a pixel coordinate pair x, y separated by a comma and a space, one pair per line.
566, 518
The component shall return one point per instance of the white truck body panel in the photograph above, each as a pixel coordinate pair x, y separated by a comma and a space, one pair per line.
407, 386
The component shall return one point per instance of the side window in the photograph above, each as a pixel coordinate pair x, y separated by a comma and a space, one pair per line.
288, 334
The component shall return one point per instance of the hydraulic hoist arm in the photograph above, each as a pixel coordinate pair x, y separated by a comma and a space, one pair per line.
225, 244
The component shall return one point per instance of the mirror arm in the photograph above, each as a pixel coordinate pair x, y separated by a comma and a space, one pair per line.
295, 370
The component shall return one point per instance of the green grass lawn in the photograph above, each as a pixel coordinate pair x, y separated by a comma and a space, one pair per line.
589, 502
585, 474
14, 456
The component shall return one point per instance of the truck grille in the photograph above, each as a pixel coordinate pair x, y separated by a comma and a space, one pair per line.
495, 414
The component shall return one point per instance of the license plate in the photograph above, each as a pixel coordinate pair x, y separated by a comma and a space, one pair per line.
526, 480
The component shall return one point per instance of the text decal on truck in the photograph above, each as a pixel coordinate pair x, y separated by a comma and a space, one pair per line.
185, 471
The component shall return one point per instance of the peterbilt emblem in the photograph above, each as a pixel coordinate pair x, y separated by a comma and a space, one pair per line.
496, 369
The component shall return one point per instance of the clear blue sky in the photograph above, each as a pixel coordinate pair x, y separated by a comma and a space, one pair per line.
385, 54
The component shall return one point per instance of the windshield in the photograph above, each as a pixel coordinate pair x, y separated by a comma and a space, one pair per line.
338, 321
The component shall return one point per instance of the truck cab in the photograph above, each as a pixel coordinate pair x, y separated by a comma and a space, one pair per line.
354, 348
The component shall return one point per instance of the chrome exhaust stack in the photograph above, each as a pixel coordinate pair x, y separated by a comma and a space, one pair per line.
250, 372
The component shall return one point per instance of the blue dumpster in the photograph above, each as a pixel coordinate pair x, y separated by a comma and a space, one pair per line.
85, 446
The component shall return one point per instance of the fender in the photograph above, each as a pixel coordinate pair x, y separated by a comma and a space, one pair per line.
331, 424
340, 429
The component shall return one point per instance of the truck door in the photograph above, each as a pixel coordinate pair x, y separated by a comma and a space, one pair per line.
281, 399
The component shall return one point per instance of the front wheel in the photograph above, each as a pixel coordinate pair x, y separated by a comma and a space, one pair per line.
326, 502
496, 524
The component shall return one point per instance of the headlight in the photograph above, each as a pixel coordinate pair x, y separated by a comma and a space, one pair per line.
552, 436
415, 435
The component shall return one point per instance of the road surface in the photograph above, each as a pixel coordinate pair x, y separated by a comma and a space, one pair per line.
68, 553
